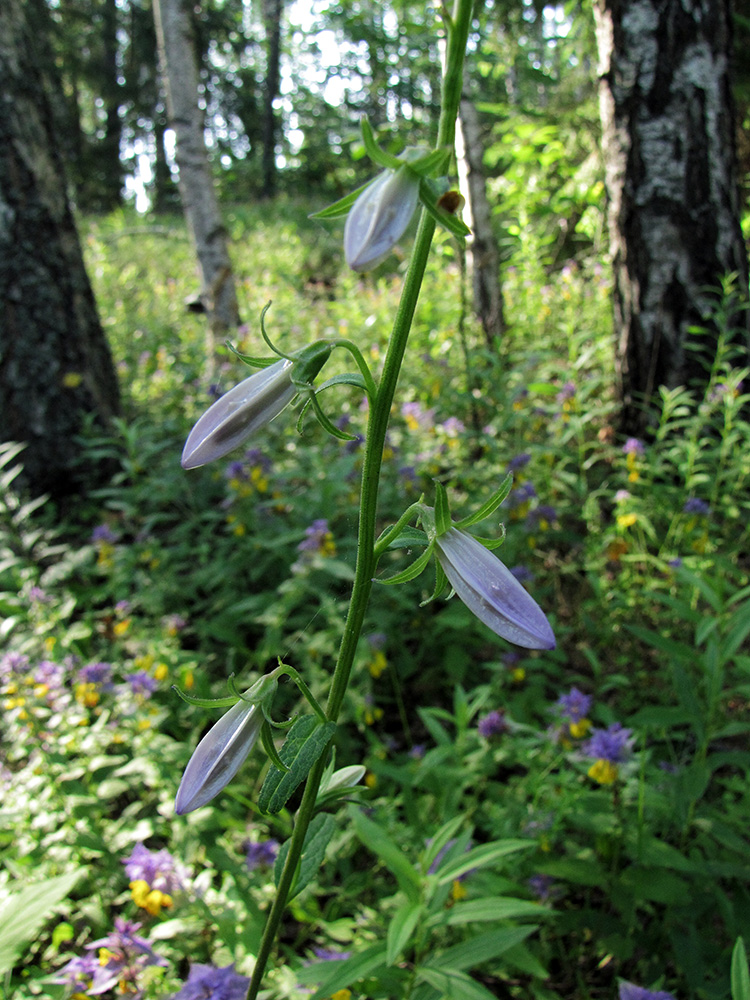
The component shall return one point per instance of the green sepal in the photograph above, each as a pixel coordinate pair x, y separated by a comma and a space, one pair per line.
309, 361
441, 582
387, 537
376, 154
317, 838
326, 422
411, 572
452, 223
489, 506
266, 737
205, 702
443, 520
343, 206
409, 537
435, 162
492, 543
306, 741
346, 378
250, 359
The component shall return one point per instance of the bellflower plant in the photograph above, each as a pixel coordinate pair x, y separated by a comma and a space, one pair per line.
377, 217
236, 415
489, 590
219, 756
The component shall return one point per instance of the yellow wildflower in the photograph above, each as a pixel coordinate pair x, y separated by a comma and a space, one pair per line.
603, 772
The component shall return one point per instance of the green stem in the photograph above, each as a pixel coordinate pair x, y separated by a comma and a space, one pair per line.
377, 426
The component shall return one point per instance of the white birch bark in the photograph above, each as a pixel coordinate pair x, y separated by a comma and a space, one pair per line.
482, 254
668, 142
180, 75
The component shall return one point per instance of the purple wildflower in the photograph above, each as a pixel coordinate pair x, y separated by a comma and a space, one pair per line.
261, 854
629, 991
13, 663
543, 887
123, 956
575, 705
95, 673
522, 573
567, 392
544, 512
79, 973
314, 536
418, 751
633, 447
160, 869
613, 744
103, 533
330, 954
492, 724
519, 461
208, 982
142, 684
694, 505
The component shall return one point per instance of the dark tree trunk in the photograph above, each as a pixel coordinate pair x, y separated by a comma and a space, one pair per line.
272, 10
55, 366
669, 146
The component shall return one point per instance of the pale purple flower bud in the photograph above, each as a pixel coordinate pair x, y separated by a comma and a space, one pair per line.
379, 217
491, 592
233, 418
219, 756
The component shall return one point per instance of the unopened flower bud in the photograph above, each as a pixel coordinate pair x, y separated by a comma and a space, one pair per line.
379, 218
219, 756
491, 592
241, 411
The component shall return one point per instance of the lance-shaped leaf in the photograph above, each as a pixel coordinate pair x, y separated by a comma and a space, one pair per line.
306, 741
491, 592
244, 409
219, 756
379, 218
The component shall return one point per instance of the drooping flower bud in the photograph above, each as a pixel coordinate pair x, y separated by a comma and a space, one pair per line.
379, 217
491, 592
233, 418
219, 756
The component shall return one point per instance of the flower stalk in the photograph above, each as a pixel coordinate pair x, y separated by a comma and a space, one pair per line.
380, 407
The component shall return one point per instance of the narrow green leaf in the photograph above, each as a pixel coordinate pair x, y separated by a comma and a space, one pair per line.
490, 505
318, 836
401, 928
482, 947
24, 911
377, 840
493, 908
740, 973
441, 838
341, 973
409, 537
205, 702
452, 984
480, 857
306, 741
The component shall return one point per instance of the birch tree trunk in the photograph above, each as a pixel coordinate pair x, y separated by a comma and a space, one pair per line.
179, 70
483, 255
272, 10
55, 365
668, 143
